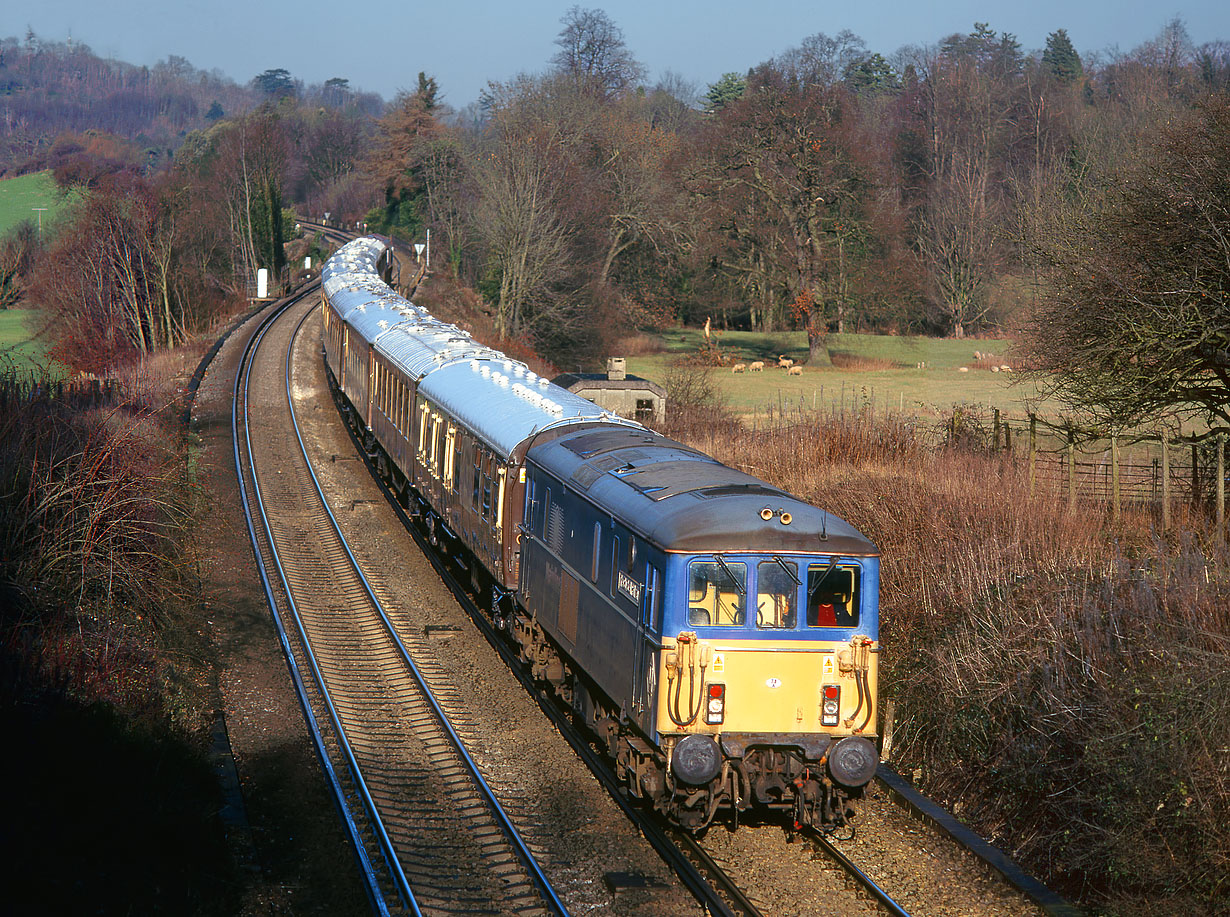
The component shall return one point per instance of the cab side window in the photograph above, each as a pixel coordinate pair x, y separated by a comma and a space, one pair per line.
832, 595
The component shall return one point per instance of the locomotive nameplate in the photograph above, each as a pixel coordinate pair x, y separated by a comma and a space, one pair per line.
628, 587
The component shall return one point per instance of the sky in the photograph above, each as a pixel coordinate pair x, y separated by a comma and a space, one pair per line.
382, 47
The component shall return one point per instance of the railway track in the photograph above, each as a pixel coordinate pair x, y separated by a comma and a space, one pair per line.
429, 834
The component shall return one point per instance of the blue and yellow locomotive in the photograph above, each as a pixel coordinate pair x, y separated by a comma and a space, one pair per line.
717, 634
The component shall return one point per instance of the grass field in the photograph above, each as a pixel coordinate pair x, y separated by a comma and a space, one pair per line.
883, 370
18, 197
18, 349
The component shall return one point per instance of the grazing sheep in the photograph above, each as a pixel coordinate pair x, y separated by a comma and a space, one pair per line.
994, 369
1005, 368
757, 367
785, 362
962, 369
794, 370
738, 368
977, 355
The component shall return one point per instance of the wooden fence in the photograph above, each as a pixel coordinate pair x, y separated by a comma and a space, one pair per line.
1082, 465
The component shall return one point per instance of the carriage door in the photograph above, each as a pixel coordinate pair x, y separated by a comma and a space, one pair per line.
646, 663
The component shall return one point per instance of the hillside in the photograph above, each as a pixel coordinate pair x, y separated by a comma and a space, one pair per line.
47, 89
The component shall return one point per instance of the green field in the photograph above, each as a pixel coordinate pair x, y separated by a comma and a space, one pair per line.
903, 386
19, 196
18, 349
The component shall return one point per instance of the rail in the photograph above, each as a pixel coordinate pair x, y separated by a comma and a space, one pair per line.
388, 886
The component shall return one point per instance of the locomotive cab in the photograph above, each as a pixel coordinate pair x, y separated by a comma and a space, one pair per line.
768, 683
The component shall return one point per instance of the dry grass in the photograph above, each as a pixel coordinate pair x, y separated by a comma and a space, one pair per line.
92, 508
855, 363
638, 345
1080, 671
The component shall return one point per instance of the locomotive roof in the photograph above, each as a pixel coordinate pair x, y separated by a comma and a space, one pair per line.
686, 501
497, 398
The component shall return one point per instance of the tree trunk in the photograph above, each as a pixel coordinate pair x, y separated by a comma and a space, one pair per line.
817, 341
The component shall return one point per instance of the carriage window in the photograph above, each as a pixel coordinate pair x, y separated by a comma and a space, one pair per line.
832, 595
777, 594
717, 593
423, 411
436, 453
450, 441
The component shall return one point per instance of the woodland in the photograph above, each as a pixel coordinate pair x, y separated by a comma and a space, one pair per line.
1075, 204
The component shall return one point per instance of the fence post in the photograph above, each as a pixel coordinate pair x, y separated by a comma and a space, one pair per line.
1165, 481
1114, 475
996, 449
1033, 450
1071, 470
1195, 475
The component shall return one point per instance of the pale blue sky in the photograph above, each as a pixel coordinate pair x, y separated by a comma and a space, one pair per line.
381, 47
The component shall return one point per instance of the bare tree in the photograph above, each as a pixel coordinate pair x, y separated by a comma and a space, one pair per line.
787, 200
969, 99
1136, 326
592, 51
518, 217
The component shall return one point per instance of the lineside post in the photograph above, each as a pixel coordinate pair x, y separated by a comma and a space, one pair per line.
1033, 450
1071, 470
1221, 485
1114, 475
1165, 481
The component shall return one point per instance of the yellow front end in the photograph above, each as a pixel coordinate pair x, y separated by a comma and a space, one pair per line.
767, 687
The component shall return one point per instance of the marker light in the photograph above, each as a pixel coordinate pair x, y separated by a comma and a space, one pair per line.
830, 706
715, 712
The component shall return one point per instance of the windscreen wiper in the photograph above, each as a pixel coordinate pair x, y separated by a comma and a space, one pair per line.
820, 579
785, 566
731, 573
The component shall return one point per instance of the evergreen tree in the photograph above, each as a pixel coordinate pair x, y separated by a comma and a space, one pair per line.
726, 90
872, 74
1060, 58
275, 82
